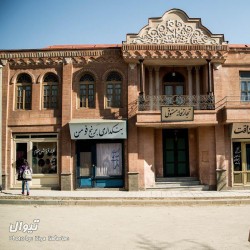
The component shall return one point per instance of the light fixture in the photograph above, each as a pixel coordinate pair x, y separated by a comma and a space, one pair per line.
173, 73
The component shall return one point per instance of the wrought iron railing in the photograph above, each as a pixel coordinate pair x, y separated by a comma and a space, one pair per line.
154, 103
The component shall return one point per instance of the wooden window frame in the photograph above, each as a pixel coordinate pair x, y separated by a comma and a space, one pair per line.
22, 102
84, 99
114, 99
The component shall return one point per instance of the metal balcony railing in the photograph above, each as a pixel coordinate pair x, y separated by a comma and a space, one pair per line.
154, 103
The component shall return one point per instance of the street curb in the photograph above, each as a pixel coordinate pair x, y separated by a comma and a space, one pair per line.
126, 202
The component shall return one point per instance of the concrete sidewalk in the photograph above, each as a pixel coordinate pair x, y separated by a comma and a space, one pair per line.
110, 197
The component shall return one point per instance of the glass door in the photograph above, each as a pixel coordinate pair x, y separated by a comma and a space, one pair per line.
241, 163
176, 163
85, 164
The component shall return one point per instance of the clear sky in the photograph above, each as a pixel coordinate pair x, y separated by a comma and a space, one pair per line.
29, 24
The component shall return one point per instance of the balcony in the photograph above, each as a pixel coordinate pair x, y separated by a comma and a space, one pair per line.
234, 109
153, 103
149, 110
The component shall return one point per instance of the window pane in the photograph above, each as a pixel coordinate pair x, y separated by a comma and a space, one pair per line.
168, 90
109, 159
248, 156
237, 156
44, 157
179, 90
245, 86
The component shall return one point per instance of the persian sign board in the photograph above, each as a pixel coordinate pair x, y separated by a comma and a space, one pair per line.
106, 129
241, 131
177, 113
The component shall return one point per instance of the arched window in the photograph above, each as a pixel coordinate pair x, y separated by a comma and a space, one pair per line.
87, 91
50, 91
23, 91
113, 90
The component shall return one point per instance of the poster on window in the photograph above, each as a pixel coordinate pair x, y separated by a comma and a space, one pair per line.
109, 159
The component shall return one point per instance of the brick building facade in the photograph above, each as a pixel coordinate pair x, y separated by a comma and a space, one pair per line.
172, 101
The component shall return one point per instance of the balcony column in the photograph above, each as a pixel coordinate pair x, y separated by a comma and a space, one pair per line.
142, 78
209, 77
197, 81
210, 85
157, 86
150, 69
190, 85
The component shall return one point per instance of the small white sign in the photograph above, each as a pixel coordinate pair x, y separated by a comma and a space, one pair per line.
177, 113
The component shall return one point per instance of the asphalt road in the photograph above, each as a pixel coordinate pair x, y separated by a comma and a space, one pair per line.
103, 227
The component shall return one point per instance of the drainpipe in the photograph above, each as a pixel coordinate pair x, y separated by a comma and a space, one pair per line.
1, 163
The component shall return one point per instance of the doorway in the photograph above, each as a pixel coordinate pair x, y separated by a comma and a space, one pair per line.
99, 164
241, 163
175, 153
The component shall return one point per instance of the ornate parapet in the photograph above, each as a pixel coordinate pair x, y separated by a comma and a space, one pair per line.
174, 36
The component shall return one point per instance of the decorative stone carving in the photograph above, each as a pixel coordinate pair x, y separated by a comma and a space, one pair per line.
68, 60
174, 31
175, 27
3, 62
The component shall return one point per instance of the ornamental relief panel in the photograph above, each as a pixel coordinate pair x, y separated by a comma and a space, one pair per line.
173, 32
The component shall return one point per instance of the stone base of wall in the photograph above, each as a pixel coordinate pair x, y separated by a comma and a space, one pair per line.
4, 182
133, 181
66, 182
221, 179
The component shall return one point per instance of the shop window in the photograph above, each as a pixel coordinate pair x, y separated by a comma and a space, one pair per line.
39, 150
245, 86
87, 91
50, 91
113, 90
44, 157
241, 163
23, 92
109, 159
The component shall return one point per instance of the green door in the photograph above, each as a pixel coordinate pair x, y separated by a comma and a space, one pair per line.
175, 151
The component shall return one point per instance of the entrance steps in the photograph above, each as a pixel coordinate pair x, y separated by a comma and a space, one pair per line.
178, 183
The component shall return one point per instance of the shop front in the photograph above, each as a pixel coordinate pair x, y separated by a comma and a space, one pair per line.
99, 155
241, 154
41, 152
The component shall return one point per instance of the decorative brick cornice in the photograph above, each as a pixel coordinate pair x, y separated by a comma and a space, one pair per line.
175, 51
24, 58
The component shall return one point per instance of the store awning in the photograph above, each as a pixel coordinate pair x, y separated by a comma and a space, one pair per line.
83, 129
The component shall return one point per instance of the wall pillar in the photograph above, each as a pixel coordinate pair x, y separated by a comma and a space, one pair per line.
132, 170
221, 163
66, 149
1, 85
4, 88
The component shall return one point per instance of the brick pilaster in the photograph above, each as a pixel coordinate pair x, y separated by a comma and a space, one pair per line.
66, 149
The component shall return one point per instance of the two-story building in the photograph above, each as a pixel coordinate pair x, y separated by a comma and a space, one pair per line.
172, 101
